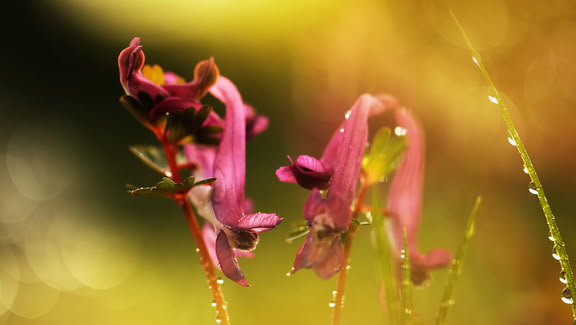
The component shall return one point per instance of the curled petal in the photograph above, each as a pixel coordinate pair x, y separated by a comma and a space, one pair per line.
206, 75
259, 222
227, 260
130, 63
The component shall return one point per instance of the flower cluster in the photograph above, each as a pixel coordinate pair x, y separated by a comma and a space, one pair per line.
215, 148
215, 152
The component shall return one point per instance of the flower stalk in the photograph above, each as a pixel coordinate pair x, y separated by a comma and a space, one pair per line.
341, 284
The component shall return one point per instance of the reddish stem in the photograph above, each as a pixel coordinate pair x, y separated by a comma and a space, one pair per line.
339, 296
218, 302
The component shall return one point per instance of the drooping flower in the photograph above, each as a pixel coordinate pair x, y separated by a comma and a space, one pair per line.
224, 204
404, 202
338, 171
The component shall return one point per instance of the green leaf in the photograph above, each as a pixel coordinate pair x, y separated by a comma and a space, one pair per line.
137, 110
187, 126
384, 156
155, 158
168, 188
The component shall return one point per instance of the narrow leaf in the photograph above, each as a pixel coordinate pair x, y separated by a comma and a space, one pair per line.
535, 184
456, 267
167, 187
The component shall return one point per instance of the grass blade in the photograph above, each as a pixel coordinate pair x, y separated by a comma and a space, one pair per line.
535, 185
456, 267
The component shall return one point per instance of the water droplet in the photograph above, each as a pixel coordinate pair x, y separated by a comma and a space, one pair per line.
562, 277
475, 60
219, 281
197, 250
347, 116
525, 170
532, 188
512, 141
213, 303
567, 296
493, 99
402, 254
331, 304
342, 130
555, 253
550, 237
400, 131
218, 319
348, 267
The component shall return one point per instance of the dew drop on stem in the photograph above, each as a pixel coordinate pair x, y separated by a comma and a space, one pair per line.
532, 188
567, 296
555, 253
493, 99
512, 141
550, 237
562, 277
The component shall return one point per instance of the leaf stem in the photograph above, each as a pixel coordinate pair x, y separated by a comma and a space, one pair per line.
339, 295
535, 181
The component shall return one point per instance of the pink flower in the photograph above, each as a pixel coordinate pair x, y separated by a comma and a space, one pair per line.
404, 202
224, 206
338, 171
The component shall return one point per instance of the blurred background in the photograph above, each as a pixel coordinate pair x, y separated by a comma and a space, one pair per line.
75, 248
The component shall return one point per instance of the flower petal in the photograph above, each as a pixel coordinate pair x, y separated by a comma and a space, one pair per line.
130, 62
227, 260
259, 222
206, 75
230, 164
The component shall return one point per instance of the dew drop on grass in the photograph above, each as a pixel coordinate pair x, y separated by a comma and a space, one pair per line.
512, 141
567, 296
555, 253
562, 277
525, 170
532, 188
493, 99
475, 60
550, 237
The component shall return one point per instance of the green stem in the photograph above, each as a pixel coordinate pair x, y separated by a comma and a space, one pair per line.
386, 258
406, 310
537, 186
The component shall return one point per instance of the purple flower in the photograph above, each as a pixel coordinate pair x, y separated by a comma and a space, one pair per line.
170, 93
404, 202
233, 232
338, 171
